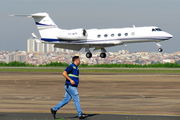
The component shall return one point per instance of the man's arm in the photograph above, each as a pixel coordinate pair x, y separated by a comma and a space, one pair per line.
65, 74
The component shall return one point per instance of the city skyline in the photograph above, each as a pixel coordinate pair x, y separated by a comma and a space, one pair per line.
121, 57
32, 46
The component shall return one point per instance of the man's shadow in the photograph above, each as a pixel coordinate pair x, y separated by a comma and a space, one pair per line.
64, 118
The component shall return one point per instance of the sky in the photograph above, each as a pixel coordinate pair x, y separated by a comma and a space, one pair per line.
88, 14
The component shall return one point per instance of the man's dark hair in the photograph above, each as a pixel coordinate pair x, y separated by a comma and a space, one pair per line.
74, 58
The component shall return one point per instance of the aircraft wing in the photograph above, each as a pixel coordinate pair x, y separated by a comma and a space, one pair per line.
69, 46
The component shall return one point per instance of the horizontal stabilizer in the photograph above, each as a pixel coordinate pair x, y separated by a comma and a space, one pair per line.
36, 38
32, 15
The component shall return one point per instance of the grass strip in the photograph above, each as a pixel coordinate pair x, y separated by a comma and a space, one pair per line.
92, 70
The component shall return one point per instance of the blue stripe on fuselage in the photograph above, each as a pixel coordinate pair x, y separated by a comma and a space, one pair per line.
86, 41
43, 24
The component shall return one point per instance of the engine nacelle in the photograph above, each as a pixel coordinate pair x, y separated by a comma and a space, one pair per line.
74, 34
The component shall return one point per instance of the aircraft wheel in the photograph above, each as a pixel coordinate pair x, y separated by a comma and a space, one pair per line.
160, 49
103, 55
88, 55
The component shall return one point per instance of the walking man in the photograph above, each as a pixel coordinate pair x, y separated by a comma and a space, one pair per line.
71, 74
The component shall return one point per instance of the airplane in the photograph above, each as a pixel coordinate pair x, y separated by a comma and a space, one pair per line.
76, 39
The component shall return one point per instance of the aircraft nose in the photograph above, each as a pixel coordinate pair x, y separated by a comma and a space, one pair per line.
169, 35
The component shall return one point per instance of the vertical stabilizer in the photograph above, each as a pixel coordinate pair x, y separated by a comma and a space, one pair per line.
47, 28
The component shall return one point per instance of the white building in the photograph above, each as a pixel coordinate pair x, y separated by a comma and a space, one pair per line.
59, 50
40, 47
30, 45
10, 57
50, 47
69, 51
21, 58
15, 57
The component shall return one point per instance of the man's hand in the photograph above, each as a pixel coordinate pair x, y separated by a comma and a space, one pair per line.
65, 74
72, 82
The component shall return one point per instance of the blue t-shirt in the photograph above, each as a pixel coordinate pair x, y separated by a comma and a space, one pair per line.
70, 70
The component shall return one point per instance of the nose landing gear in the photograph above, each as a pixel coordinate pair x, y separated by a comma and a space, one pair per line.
160, 49
159, 45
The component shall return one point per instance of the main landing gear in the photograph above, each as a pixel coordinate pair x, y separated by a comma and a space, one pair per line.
102, 55
88, 54
159, 45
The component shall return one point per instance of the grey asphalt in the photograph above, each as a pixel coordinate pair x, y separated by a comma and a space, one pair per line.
84, 73
72, 116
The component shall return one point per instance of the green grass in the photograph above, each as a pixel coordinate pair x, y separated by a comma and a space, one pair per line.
92, 70
56, 64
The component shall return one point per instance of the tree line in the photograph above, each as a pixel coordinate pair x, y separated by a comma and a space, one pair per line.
59, 64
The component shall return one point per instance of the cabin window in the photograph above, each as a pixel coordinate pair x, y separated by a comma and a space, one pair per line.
119, 34
105, 35
133, 33
98, 36
126, 34
112, 35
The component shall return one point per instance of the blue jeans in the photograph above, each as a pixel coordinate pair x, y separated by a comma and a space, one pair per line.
71, 92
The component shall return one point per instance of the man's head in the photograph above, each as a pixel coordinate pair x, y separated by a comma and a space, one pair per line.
76, 60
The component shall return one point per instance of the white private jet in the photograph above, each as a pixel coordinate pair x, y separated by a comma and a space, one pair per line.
76, 39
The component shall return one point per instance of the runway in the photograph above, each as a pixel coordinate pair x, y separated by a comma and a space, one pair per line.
115, 95
71, 116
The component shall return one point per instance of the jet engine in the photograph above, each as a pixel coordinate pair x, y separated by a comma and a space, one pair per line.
74, 34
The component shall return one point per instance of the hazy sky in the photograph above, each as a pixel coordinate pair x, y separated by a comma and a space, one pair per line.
71, 14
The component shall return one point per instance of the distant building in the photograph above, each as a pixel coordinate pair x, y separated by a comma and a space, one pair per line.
30, 45
40, 47
15, 57
59, 50
68, 51
2, 60
177, 53
50, 47
21, 58
169, 61
124, 52
10, 57
142, 53
71, 51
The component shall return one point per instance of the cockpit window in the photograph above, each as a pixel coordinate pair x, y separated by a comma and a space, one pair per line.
153, 30
158, 29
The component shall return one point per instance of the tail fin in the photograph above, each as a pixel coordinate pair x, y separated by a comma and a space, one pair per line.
47, 28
